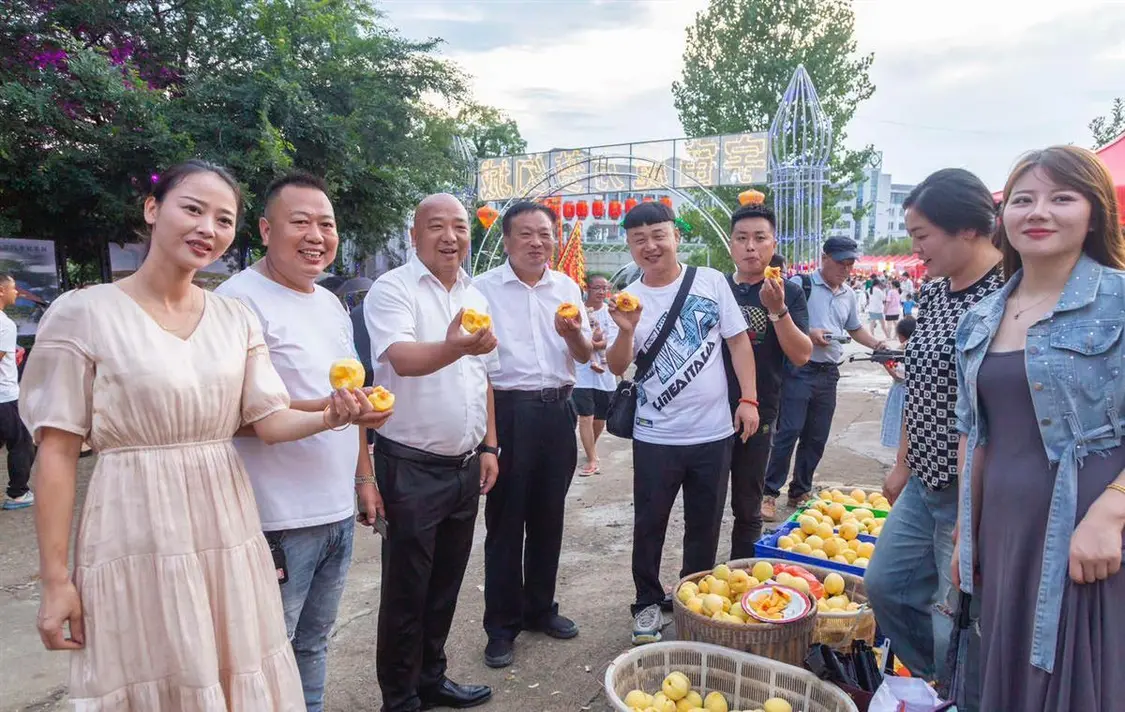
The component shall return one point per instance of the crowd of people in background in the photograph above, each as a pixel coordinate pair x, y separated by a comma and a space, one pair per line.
217, 532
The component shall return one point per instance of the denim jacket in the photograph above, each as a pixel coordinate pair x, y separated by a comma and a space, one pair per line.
1074, 356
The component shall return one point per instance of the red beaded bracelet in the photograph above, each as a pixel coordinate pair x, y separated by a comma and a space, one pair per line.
748, 401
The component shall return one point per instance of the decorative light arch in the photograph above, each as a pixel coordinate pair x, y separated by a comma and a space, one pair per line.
549, 186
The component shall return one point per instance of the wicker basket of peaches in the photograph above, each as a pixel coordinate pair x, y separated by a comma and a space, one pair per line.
728, 606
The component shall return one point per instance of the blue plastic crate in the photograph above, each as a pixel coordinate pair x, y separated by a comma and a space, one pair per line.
766, 548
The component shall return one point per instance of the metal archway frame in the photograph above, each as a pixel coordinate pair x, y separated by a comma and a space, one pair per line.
546, 187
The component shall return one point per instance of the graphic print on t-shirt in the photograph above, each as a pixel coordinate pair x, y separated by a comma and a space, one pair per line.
686, 351
758, 320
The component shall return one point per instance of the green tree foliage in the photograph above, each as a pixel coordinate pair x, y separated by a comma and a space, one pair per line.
490, 132
741, 55
891, 247
1107, 128
96, 96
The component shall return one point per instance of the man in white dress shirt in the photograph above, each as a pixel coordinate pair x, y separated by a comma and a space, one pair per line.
535, 422
435, 458
304, 489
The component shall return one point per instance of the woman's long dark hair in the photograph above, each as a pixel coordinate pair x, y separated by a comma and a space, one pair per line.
1083, 172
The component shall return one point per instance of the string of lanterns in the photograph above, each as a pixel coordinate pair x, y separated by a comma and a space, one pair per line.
615, 209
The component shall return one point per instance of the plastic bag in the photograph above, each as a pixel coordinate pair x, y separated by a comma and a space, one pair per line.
906, 694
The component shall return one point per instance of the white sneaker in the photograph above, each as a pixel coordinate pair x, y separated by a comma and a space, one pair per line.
23, 501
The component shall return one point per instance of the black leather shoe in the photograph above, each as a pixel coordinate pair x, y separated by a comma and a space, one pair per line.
498, 653
450, 694
557, 626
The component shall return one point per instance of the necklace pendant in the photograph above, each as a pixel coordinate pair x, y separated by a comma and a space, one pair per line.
1016, 317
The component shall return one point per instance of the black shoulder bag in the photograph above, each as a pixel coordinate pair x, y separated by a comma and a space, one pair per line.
623, 405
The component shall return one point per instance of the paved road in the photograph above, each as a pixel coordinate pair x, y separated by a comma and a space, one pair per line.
595, 587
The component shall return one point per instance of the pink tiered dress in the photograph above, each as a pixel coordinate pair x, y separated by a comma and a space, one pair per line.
180, 598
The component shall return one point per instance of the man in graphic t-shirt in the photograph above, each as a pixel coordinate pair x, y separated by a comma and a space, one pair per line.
306, 490
778, 319
680, 437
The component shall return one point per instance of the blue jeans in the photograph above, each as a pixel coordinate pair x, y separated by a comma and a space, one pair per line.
808, 402
908, 580
317, 559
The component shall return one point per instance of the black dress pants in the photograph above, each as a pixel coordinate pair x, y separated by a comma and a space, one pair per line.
525, 509
747, 482
21, 451
658, 473
431, 504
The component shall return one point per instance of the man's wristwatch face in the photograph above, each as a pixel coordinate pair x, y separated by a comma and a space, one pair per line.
778, 317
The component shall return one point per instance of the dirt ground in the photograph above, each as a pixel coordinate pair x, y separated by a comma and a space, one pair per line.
594, 588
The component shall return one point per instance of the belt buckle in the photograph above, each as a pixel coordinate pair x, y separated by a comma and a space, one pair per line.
468, 458
548, 395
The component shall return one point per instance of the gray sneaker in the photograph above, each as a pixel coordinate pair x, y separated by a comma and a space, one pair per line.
647, 624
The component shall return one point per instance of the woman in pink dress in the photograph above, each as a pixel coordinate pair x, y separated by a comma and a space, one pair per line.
174, 601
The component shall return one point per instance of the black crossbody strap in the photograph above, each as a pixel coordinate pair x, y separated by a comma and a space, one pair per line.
646, 358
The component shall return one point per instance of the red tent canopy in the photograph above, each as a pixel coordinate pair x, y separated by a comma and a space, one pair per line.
892, 263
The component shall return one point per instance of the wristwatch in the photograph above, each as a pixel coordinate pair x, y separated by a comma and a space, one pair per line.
488, 449
780, 316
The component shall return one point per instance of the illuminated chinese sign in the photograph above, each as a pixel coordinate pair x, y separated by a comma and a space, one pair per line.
734, 159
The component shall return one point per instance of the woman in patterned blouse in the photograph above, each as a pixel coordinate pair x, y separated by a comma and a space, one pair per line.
950, 217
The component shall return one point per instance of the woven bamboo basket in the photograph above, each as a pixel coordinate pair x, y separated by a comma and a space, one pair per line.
746, 680
788, 642
839, 628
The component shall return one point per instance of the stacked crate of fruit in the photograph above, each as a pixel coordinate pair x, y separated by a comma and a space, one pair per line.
835, 530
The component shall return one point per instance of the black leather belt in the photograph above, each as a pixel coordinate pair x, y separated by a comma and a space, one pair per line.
412, 454
822, 366
543, 395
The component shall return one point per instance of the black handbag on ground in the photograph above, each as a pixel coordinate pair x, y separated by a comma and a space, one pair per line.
622, 413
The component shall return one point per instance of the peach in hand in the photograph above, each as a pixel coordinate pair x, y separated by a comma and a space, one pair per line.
346, 373
381, 399
627, 302
473, 321
567, 311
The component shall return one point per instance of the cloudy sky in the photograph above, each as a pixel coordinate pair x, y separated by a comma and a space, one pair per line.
970, 83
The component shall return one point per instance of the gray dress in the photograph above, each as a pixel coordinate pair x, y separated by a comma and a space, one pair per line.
1089, 671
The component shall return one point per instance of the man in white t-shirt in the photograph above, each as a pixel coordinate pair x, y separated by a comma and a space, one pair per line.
306, 490
13, 435
595, 383
683, 429
875, 305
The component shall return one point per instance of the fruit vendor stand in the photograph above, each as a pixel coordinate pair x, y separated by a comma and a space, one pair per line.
777, 626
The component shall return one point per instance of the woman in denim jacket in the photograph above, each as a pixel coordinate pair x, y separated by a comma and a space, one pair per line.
1042, 412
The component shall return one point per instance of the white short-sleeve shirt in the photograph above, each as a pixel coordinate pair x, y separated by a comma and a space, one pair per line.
683, 400
446, 412
311, 481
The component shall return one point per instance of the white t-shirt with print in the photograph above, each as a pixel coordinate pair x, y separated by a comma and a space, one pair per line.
683, 400
585, 377
310, 481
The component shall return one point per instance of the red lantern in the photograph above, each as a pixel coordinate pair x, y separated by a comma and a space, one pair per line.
582, 210
630, 203
614, 210
598, 209
568, 210
665, 200
648, 198
487, 215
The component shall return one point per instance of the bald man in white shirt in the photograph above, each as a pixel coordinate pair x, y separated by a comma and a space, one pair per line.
434, 459
535, 422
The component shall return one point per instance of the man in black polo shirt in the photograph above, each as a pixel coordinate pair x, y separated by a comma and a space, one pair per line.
778, 317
